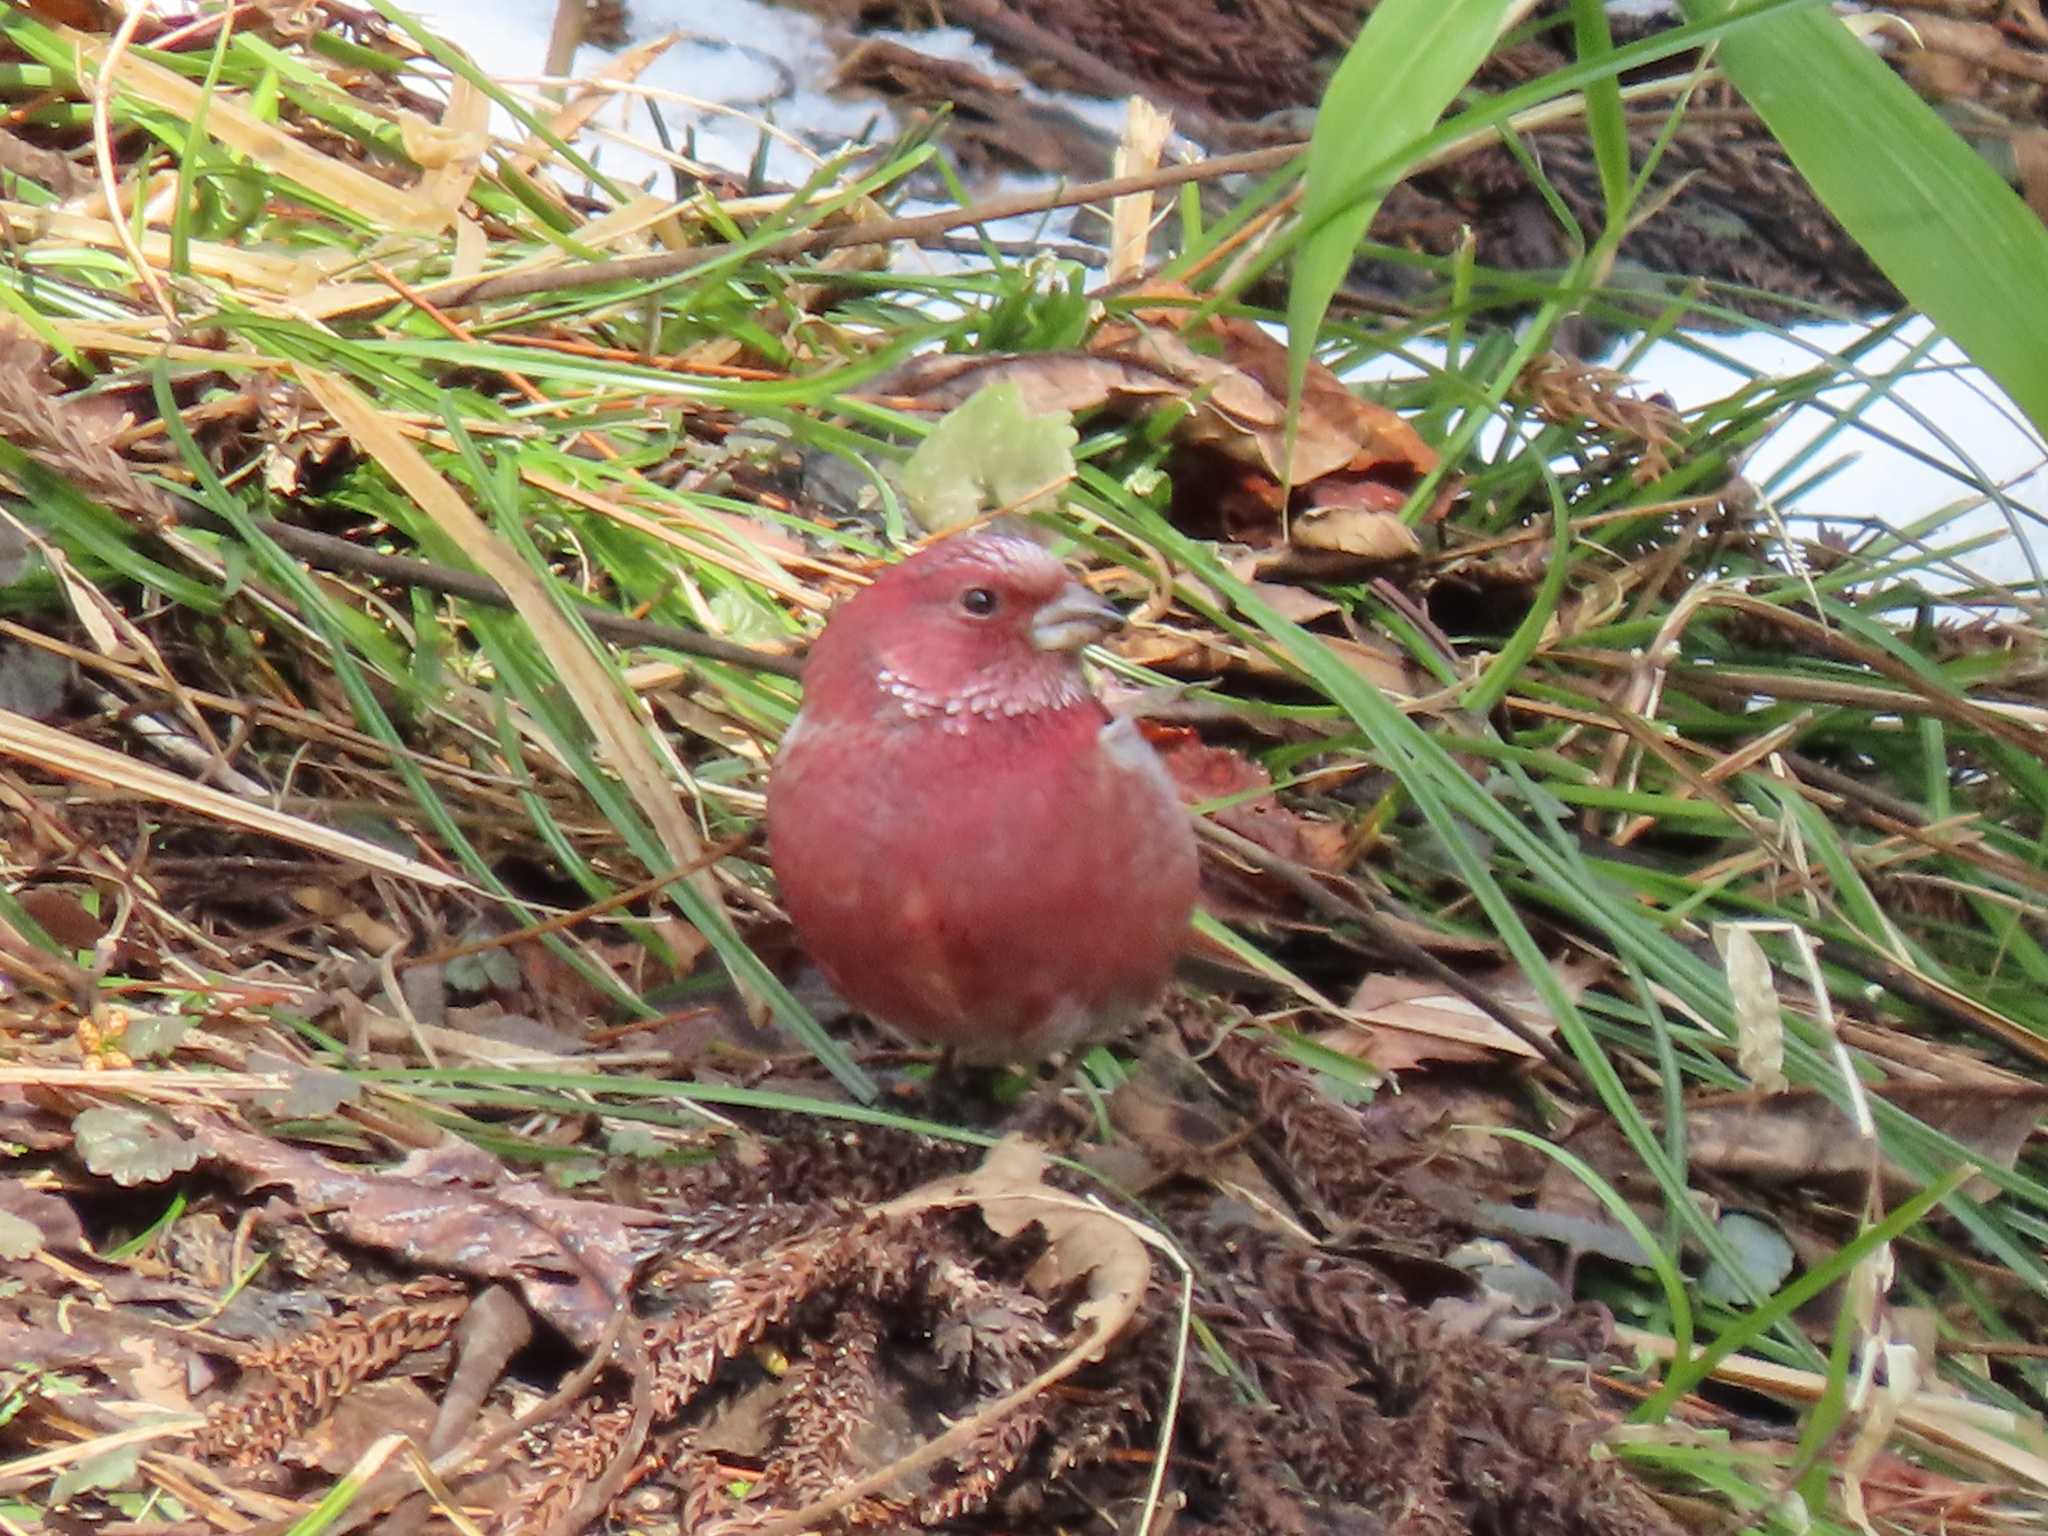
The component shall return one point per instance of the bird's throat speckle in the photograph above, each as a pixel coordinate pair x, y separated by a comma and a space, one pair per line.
1006, 695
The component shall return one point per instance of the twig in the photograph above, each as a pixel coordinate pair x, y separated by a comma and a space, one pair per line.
1957, 1009
598, 1495
665, 265
335, 554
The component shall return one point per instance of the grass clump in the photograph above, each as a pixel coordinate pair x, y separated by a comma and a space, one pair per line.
410, 536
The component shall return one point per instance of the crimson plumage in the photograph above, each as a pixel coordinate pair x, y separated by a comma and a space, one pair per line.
973, 851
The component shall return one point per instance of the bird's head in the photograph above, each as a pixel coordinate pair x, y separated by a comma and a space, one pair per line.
979, 626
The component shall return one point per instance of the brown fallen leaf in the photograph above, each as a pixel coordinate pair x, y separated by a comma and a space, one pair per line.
1181, 654
1371, 533
1232, 410
1298, 605
1404, 1021
1047, 381
38, 1220
1169, 1123
455, 1208
329, 903
1332, 416
1799, 1136
1202, 772
86, 15
366, 1412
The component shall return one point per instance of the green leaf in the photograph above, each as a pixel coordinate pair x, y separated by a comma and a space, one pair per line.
1410, 61
311, 1092
1606, 122
633, 1141
130, 1146
19, 1239
109, 1469
153, 1034
1955, 239
1765, 1256
989, 451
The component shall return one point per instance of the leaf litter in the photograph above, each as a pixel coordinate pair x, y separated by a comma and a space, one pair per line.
378, 1122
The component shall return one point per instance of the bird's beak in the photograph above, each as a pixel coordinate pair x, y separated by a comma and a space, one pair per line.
1076, 617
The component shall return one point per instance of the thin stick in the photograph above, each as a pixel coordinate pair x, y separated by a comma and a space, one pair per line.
673, 264
327, 552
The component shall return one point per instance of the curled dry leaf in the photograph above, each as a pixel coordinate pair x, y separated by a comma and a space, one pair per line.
1370, 532
457, 1207
1082, 1239
1298, 605
1338, 431
1799, 1136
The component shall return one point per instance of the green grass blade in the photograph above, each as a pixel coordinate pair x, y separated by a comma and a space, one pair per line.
1410, 61
1933, 215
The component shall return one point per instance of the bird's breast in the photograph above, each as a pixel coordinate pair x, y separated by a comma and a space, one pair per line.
985, 889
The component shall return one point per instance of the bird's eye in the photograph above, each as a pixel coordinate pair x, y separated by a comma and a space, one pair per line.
978, 601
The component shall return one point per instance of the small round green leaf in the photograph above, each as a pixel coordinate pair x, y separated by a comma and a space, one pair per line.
131, 1147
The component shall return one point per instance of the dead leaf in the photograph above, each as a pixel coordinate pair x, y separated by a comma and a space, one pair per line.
160, 1376
1298, 605
46, 1219
1404, 1021
62, 913
457, 1208
366, 1412
1358, 530
1203, 772
1369, 436
1799, 1136
1182, 654
1047, 382
329, 903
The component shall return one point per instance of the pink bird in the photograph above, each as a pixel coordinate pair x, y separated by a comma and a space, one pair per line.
974, 852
